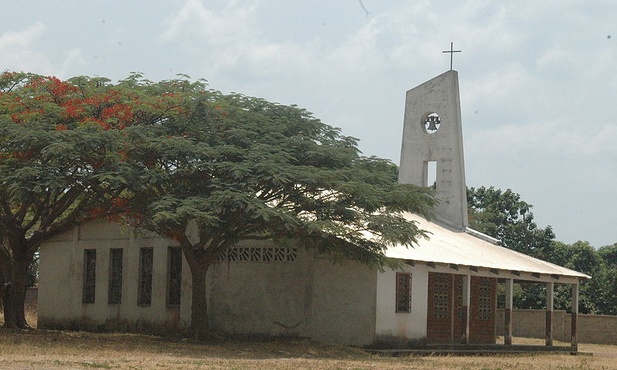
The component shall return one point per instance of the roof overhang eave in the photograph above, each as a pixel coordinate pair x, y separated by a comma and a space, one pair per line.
518, 275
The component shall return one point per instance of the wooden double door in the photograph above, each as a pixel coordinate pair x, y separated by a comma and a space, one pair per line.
446, 314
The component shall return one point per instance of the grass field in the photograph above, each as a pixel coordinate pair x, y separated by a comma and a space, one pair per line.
38, 349
77, 350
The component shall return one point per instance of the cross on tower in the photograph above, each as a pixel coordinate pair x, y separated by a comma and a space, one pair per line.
451, 51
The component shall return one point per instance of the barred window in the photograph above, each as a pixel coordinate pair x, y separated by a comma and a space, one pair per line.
174, 275
114, 293
403, 292
144, 296
89, 282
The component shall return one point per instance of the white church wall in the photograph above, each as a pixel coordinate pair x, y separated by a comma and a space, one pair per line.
344, 304
259, 297
62, 279
290, 293
401, 327
309, 297
59, 279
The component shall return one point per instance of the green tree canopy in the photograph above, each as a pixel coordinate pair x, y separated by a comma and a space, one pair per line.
609, 254
607, 300
581, 256
503, 215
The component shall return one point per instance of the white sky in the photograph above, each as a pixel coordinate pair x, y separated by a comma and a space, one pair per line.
537, 78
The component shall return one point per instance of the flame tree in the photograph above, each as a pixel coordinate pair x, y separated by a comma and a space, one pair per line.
62, 160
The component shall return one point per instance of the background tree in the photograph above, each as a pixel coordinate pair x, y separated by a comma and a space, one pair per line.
62, 161
503, 215
238, 168
607, 296
580, 256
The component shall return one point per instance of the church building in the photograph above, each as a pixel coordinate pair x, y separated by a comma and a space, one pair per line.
105, 276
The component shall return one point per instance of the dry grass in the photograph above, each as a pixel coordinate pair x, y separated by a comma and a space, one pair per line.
76, 350
39, 349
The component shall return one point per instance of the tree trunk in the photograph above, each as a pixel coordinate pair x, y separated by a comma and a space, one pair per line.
8, 305
199, 306
14, 295
8, 296
20, 283
199, 261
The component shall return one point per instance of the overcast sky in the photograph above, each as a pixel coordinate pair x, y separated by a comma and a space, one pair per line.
537, 78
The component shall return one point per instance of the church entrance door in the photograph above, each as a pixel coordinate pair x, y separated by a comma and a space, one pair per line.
444, 316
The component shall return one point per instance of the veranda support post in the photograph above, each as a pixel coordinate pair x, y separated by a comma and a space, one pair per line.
550, 286
574, 328
508, 313
465, 309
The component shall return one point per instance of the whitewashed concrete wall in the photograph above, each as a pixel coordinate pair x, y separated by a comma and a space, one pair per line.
345, 305
402, 326
61, 282
311, 296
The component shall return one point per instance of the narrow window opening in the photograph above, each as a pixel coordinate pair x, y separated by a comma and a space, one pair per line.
144, 297
430, 174
403, 292
89, 284
174, 276
114, 294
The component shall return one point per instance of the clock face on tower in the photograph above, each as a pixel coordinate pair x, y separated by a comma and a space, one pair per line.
431, 122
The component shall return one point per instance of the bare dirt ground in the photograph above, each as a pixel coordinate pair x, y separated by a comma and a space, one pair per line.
39, 349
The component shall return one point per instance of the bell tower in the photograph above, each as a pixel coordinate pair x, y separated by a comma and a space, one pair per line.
432, 149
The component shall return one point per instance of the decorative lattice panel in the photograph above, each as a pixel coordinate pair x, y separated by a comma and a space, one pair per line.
259, 254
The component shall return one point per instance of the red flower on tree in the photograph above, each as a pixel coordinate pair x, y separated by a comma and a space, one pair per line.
119, 202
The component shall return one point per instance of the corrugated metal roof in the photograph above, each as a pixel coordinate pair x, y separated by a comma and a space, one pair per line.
450, 246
